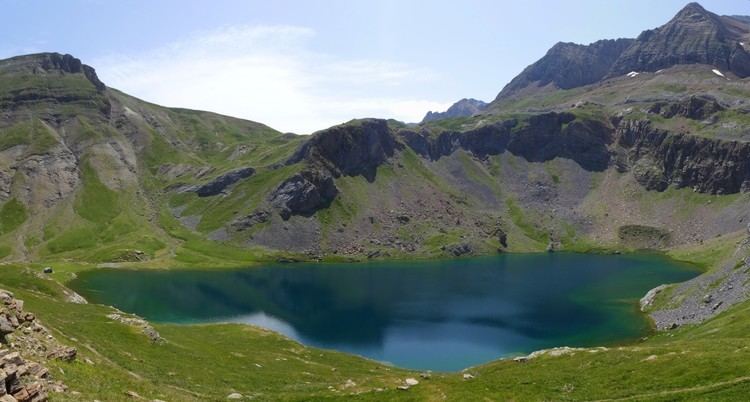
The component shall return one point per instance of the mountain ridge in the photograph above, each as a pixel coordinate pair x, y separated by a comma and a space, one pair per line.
693, 36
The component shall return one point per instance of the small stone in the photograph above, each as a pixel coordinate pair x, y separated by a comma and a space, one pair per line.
235, 395
468, 376
47, 270
132, 394
411, 382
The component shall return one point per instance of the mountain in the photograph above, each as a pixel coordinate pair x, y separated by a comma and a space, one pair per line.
464, 108
592, 160
693, 36
617, 146
569, 65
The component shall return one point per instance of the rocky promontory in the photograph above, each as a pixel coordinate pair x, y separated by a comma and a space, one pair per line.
22, 338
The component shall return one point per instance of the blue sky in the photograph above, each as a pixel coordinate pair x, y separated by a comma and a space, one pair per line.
305, 65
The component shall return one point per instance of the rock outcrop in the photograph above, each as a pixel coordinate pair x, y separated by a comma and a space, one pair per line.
139, 323
539, 138
219, 184
21, 337
304, 193
255, 218
704, 296
464, 108
351, 149
694, 107
658, 159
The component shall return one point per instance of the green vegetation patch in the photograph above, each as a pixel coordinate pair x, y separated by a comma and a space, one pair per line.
12, 215
32, 133
96, 202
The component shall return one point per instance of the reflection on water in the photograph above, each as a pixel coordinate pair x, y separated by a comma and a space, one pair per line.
440, 315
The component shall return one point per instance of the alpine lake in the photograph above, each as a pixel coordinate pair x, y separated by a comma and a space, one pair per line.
429, 315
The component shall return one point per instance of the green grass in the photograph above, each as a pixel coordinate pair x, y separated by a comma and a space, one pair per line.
12, 215
96, 202
32, 133
522, 221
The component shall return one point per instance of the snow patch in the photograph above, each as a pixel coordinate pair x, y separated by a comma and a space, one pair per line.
632, 74
719, 73
659, 71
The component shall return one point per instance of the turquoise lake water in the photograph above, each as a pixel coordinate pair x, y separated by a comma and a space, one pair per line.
437, 315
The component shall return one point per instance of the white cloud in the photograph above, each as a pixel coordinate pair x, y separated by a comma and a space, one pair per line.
269, 74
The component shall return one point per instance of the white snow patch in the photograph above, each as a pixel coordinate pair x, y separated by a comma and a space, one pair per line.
719, 73
632, 74
659, 71
742, 43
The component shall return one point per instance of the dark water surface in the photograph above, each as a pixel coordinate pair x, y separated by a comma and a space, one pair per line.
438, 315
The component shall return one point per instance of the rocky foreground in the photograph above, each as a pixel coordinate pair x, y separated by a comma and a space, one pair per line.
22, 338
705, 296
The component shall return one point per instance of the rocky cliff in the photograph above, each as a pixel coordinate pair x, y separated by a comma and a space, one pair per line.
659, 159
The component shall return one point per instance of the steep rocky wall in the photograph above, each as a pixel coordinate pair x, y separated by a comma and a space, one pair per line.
658, 159
351, 149
539, 138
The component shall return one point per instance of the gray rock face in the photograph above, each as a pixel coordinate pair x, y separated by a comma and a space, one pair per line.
694, 107
464, 108
246, 222
458, 250
48, 62
541, 138
351, 149
693, 36
659, 158
304, 193
219, 184
570, 65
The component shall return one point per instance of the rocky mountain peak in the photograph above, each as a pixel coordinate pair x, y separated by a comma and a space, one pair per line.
693, 11
464, 108
44, 63
693, 36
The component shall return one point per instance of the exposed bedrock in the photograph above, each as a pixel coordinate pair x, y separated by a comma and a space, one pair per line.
351, 149
658, 158
219, 184
538, 139
304, 193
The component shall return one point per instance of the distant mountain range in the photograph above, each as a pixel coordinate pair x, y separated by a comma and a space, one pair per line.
463, 108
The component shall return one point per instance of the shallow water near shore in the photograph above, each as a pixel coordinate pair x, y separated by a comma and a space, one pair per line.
438, 315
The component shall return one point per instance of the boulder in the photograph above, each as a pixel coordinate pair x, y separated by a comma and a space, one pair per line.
246, 222
219, 184
458, 250
304, 193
